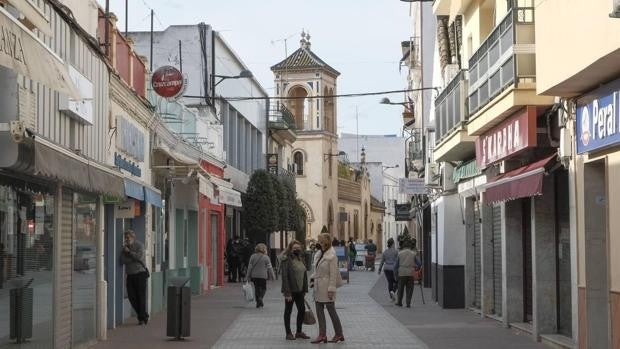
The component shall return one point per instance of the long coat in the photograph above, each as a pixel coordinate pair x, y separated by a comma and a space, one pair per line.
325, 275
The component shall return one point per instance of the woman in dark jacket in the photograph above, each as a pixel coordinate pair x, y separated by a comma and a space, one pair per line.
294, 288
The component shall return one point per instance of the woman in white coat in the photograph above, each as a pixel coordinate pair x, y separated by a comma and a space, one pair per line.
325, 279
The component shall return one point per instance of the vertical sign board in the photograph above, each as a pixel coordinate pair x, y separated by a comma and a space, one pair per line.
343, 263
272, 163
403, 212
597, 123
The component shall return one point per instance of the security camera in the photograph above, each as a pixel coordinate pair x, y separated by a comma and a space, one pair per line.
615, 12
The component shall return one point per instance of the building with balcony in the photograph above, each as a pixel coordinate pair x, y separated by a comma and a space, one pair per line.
494, 158
586, 77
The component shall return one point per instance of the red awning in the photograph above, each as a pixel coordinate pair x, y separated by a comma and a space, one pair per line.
523, 182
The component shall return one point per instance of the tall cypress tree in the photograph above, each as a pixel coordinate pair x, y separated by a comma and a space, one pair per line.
260, 213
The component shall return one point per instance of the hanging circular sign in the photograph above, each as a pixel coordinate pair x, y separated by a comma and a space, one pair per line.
168, 82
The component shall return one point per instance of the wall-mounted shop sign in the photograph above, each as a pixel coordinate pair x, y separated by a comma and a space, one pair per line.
508, 139
168, 82
125, 164
23, 52
127, 209
130, 139
272, 163
403, 212
411, 186
597, 123
79, 109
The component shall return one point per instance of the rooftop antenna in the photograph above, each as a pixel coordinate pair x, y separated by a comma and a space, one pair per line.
285, 40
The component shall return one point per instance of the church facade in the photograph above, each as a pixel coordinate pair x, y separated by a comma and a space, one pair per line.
302, 81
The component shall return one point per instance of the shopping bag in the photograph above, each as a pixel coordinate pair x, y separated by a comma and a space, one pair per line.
248, 292
309, 318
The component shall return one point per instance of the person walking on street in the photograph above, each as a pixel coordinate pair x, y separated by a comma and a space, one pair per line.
405, 263
132, 256
388, 261
294, 288
326, 279
352, 254
371, 253
259, 270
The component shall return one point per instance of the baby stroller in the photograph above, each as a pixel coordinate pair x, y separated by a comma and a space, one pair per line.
370, 261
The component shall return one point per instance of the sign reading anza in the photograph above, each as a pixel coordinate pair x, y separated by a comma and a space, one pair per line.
597, 123
509, 138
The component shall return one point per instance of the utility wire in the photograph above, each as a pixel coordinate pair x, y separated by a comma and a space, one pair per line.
345, 95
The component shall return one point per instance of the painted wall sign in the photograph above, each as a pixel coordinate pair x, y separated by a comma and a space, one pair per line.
508, 139
597, 123
168, 82
129, 166
130, 139
23, 52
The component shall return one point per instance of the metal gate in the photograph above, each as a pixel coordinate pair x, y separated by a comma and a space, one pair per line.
65, 270
497, 260
477, 258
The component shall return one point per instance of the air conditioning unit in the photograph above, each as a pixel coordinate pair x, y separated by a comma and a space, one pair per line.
431, 175
446, 174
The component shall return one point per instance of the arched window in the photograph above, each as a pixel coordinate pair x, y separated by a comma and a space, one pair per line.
299, 106
298, 159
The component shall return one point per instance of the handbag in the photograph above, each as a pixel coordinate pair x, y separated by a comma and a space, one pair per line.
248, 292
309, 318
339, 281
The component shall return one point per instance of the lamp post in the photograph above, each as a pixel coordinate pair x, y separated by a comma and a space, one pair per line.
327, 155
244, 74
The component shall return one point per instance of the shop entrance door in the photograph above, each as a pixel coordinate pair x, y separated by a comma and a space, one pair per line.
214, 256
527, 260
597, 284
563, 255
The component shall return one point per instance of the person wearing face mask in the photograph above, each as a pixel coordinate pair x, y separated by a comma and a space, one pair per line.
294, 288
326, 278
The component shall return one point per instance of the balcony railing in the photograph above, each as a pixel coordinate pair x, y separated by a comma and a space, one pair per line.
451, 106
505, 58
280, 117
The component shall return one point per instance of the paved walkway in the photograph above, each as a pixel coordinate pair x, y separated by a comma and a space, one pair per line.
451, 328
365, 323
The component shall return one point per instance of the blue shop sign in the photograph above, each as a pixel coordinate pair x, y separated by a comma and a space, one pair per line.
597, 123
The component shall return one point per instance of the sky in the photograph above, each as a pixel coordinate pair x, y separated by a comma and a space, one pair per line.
359, 38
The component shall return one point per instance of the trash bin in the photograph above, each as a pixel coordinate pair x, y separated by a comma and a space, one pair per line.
21, 296
179, 303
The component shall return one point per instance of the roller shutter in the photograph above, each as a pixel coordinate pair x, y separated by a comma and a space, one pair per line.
477, 257
497, 259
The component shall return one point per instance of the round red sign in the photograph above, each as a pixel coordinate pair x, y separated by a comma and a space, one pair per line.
168, 82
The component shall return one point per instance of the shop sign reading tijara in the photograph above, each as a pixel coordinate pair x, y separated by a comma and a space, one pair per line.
26, 54
509, 138
597, 123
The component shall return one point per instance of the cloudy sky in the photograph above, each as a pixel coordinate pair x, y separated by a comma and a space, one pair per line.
360, 38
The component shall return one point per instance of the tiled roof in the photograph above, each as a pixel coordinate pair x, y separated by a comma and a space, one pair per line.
303, 58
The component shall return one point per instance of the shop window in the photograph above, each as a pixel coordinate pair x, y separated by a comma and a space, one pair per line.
26, 258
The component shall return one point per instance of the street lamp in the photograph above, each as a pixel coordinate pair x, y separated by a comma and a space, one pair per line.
326, 156
244, 74
386, 100
386, 167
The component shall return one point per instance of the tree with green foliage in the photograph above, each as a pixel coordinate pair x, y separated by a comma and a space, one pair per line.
299, 223
260, 207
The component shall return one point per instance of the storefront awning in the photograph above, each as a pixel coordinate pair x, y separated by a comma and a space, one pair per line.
465, 170
134, 190
229, 196
205, 187
220, 182
153, 197
55, 162
523, 182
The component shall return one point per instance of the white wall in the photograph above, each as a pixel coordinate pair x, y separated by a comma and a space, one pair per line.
451, 239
